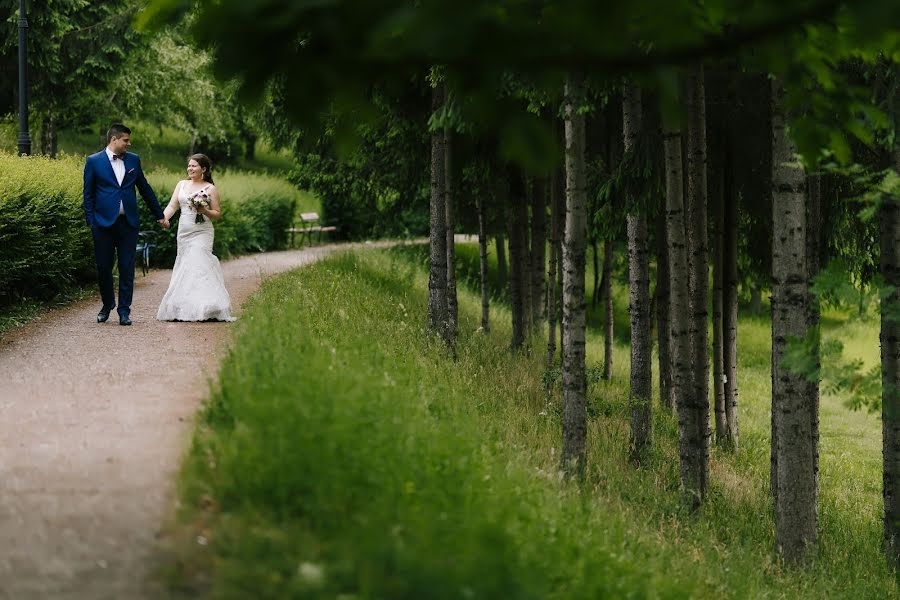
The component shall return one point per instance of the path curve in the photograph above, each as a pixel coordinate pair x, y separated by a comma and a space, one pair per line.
94, 420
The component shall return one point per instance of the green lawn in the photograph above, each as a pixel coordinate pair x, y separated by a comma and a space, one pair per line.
343, 454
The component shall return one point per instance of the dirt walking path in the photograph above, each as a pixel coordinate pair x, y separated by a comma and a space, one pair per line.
94, 420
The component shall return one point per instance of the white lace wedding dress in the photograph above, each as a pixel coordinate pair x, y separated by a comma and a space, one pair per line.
197, 289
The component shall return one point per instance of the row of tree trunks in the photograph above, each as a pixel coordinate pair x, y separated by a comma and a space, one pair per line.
639, 294
574, 250
794, 449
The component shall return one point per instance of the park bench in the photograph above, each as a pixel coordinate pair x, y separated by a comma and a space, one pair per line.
307, 226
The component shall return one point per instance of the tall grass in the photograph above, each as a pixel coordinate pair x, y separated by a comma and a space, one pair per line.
343, 453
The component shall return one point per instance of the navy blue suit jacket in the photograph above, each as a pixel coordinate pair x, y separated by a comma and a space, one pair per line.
102, 192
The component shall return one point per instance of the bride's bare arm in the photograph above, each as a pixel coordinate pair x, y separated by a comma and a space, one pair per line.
173, 206
215, 209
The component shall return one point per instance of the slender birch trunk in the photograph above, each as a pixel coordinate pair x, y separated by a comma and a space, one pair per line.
518, 248
483, 256
889, 236
556, 216
438, 317
538, 251
692, 478
597, 293
698, 262
639, 294
606, 294
813, 247
502, 262
574, 371
793, 439
730, 303
717, 195
450, 210
662, 313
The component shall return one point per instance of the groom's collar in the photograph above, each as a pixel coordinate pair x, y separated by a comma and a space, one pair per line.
110, 154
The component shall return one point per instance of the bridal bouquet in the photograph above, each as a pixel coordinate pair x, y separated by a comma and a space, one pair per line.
198, 199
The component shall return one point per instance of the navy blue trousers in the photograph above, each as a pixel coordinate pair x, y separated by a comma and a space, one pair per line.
119, 240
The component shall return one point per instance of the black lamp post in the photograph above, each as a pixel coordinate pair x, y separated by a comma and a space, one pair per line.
24, 138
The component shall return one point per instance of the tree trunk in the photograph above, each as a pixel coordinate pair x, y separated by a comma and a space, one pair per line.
502, 263
525, 290
518, 273
730, 302
538, 251
698, 262
638, 294
438, 318
574, 375
662, 313
250, 146
450, 211
556, 216
717, 197
483, 255
49, 136
606, 294
889, 226
597, 294
793, 439
559, 257
813, 248
692, 477
755, 300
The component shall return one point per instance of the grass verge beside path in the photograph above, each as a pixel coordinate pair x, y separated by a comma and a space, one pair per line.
342, 453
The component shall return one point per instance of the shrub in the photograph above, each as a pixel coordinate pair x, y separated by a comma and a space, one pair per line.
45, 244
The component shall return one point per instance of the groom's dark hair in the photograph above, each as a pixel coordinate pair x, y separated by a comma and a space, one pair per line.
116, 130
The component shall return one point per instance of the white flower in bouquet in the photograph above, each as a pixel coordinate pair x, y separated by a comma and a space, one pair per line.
198, 199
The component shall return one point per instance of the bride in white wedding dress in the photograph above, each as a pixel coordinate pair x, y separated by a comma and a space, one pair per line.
197, 288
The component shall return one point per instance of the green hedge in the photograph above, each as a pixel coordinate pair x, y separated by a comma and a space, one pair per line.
45, 245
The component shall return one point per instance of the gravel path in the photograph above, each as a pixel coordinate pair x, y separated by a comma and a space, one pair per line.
95, 419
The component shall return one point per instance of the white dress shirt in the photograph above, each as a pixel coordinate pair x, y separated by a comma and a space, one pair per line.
118, 167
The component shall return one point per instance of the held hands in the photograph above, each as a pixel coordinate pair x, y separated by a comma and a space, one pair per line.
164, 223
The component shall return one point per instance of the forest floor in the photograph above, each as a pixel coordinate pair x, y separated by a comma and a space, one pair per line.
96, 418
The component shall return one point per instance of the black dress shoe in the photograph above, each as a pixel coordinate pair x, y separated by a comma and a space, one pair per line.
124, 320
103, 315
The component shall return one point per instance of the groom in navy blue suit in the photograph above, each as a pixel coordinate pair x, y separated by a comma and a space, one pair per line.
110, 209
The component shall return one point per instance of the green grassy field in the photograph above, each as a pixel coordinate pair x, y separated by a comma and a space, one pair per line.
343, 454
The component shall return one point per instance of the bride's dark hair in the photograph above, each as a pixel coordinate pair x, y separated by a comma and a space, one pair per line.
203, 161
